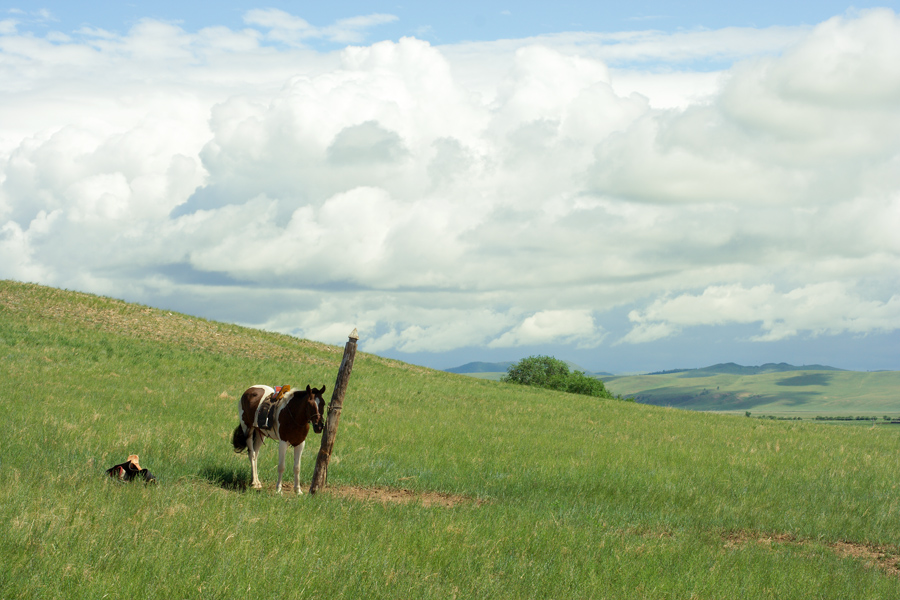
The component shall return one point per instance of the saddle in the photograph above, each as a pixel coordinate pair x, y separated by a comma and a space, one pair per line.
265, 416
129, 470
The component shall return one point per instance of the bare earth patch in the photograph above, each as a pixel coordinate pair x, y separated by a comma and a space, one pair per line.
400, 496
886, 558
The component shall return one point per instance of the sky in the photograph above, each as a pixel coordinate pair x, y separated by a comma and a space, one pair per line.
631, 187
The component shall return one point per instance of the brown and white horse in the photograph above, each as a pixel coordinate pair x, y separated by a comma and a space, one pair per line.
292, 417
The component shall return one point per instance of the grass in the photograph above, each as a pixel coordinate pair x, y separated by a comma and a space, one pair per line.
563, 496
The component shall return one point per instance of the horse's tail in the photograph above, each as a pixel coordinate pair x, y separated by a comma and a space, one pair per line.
239, 439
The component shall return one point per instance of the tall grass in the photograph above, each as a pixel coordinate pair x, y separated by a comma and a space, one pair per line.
568, 496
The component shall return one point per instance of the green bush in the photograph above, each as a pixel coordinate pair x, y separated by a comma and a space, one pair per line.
552, 373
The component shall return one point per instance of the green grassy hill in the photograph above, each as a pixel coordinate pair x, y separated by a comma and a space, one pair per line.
440, 485
805, 393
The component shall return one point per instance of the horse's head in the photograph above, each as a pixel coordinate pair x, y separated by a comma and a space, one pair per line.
316, 408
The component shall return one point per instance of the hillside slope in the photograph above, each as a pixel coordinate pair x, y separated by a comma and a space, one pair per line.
542, 494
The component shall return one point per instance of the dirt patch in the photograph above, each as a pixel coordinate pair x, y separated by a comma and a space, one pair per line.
886, 558
883, 557
237, 480
400, 496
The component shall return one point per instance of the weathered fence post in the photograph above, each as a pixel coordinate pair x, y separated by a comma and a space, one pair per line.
320, 475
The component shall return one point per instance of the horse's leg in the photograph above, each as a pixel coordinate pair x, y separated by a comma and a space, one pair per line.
282, 450
298, 452
254, 441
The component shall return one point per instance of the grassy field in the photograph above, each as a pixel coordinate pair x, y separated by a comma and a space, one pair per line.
794, 393
440, 486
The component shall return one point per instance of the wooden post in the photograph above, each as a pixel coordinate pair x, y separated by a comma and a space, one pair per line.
320, 475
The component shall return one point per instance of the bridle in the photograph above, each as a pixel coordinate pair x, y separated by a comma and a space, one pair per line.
320, 416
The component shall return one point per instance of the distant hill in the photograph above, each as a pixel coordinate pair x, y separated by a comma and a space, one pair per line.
481, 367
474, 368
768, 389
736, 369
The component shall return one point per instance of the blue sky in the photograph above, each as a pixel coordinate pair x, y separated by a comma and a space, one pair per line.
629, 186
446, 23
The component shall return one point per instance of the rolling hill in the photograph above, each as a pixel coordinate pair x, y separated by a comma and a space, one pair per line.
782, 390
440, 485
736, 369
777, 389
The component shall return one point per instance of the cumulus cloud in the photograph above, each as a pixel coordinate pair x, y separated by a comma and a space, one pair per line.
16, 252
820, 309
366, 143
443, 329
496, 194
553, 326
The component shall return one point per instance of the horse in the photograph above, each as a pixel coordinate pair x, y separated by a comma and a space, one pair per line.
288, 423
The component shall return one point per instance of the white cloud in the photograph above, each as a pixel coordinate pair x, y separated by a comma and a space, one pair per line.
817, 309
273, 18
497, 194
287, 28
443, 330
16, 253
553, 326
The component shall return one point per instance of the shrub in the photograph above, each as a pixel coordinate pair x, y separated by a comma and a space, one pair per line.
551, 373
